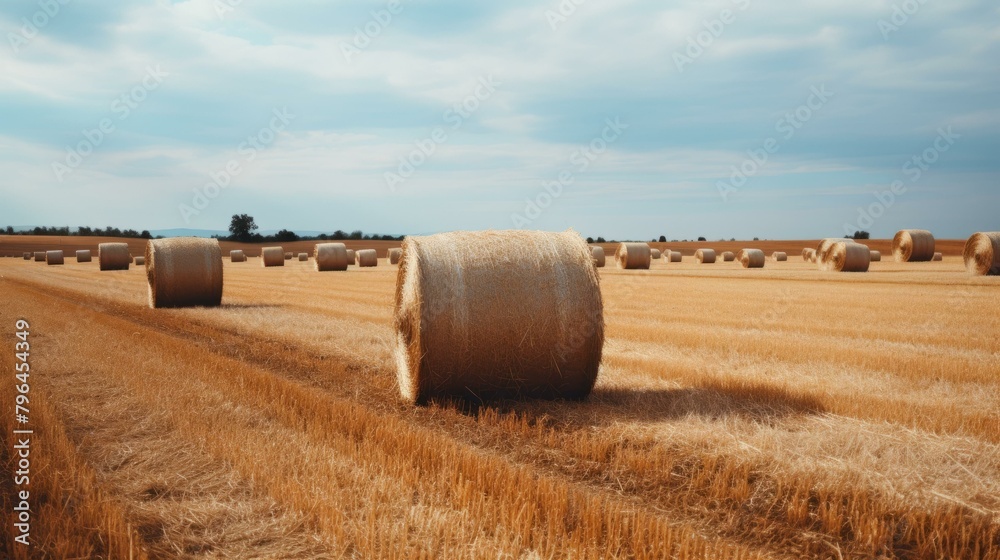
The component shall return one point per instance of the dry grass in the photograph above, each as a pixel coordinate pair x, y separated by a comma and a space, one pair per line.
710, 434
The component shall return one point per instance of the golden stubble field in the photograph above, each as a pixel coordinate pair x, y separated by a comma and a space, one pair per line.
776, 413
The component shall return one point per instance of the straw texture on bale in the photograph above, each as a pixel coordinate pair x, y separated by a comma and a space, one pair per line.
809, 255
288, 255
39, 256
330, 256
876, 256
938, 257
184, 272
982, 253
913, 245
779, 256
27, 256
113, 256
704, 256
847, 257
728, 256
633, 256
272, 256
676, 256
140, 261
498, 313
54, 257
393, 255
654, 253
303, 256
83, 255
751, 258
351, 257
825, 245
237, 255
598, 254
367, 257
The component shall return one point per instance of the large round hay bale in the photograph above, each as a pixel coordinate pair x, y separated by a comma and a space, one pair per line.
633, 256
938, 257
113, 256
498, 313
876, 256
982, 253
303, 257
728, 256
288, 255
27, 256
330, 256
237, 255
140, 261
272, 256
825, 245
751, 258
83, 255
809, 255
598, 255
676, 256
913, 245
779, 256
54, 257
704, 256
654, 253
394, 254
367, 257
847, 257
184, 272
39, 256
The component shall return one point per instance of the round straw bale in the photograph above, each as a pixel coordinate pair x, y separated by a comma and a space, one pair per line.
303, 257
847, 257
779, 256
633, 256
825, 245
498, 313
704, 256
751, 258
393, 255
938, 257
83, 255
913, 245
675, 256
272, 256
184, 272
654, 253
367, 257
140, 261
54, 257
330, 256
237, 255
39, 256
876, 256
288, 255
351, 257
113, 256
809, 255
27, 256
728, 256
982, 253
598, 255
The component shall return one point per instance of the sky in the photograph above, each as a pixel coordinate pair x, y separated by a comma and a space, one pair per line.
623, 119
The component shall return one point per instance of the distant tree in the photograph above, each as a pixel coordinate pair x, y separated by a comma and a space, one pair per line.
324, 236
732, 239
702, 239
663, 239
590, 240
357, 234
339, 234
862, 235
10, 230
145, 234
756, 239
242, 227
285, 235
601, 240
130, 233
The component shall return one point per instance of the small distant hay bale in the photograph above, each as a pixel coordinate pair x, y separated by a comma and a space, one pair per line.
83, 255
303, 257
497, 314
728, 256
393, 255
751, 258
140, 261
676, 256
913, 245
367, 257
633, 256
351, 257
27, 256
779, 256
39, 256
654, 253
938, 257
847, 257
54, 257
289, 255
876, 256
183, 272
113, 256
272, 256
598, 255
809, 255
704, 256
982, 254
237, 255
330, 256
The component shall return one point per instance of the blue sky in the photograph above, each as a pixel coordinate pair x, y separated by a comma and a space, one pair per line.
626, 119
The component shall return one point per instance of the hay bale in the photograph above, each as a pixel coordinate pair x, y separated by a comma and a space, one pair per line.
54, 257
779, 256
367, 257
184, 272
288, 255
809, 255
704, 256
751, 258
847, 257
330, 256
140, 261
113, 256
237, 255
498, 313
728, 256
938, 257
676, 256
982, 253
913, 245
272, 256
826, 245
351, 257
39, 256
393, 255
633, 256
654, 253
597, 253
876, 256
27, 256
83, 255
303, 257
